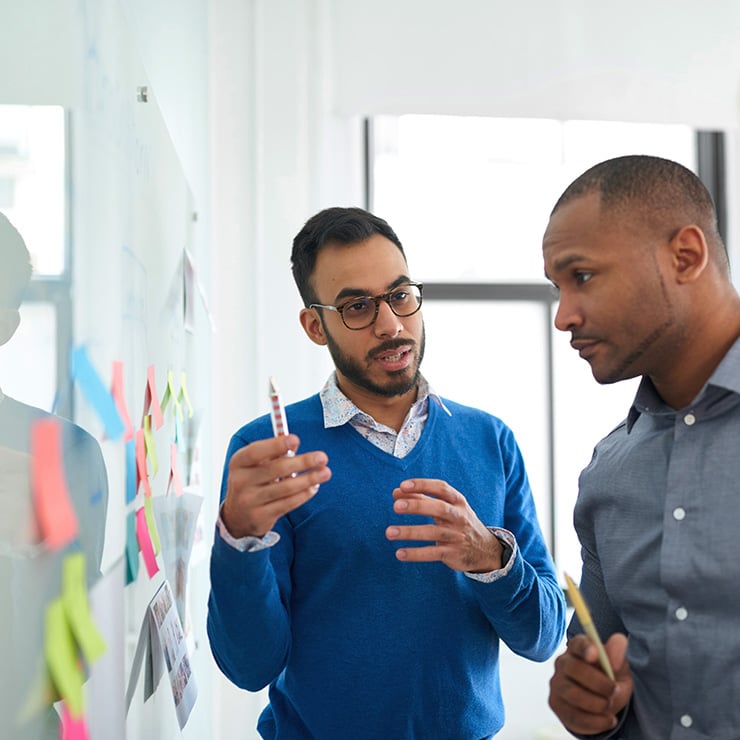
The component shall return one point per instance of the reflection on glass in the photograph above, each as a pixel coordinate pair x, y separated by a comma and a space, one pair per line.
32, 180
28, 364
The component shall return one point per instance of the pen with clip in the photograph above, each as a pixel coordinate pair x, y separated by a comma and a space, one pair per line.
277, 414
584, 617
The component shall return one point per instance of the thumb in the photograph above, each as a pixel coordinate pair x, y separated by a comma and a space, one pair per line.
616, 650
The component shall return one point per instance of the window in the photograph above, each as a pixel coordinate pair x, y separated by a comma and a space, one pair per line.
33, 365
470, 199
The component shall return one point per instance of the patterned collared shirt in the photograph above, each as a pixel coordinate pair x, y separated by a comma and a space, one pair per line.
338, 410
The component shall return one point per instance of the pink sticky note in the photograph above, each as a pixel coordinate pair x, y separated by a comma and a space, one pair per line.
145, 543
175, 480
73, 729
141, 471
56, 516
151, 399
120, 398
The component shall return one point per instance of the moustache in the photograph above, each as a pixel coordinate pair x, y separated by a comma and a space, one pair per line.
389, 345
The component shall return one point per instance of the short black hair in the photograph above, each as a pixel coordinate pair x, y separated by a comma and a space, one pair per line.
15, 265
337, 225
664, 192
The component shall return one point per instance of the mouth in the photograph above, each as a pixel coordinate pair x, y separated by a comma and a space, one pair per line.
397, 358
584, 347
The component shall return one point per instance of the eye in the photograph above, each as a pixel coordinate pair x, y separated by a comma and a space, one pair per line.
582, 277
358, 306
399, 297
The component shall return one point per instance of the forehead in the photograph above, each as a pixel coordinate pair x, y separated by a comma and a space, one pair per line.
370, 266
580, 230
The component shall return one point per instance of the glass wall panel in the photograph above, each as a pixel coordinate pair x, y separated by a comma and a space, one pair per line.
28, 362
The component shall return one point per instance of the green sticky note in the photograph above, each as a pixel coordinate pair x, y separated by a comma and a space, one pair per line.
62, 659
151, 524
77, 608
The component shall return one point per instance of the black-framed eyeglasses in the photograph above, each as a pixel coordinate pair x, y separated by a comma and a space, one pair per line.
361, 312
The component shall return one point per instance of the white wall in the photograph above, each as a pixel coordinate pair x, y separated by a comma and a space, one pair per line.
290, 81
263, 101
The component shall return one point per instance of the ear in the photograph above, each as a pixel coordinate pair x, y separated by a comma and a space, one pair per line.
9, 321
311, 323
690, 253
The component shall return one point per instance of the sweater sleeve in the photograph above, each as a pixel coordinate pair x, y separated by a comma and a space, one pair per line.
527, 606
248, 621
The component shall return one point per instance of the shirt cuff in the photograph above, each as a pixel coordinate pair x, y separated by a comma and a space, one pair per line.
248, 543
508, 540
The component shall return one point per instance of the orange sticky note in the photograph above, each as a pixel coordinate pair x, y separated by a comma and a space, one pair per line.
56, 516
120, 399
145, 543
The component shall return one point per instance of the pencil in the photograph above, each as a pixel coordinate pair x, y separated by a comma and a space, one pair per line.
277, 414
584, 617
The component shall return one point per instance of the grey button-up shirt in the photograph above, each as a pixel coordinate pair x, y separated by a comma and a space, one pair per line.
658, 518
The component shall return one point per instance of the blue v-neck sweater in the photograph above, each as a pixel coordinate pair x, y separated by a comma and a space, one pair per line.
354, 643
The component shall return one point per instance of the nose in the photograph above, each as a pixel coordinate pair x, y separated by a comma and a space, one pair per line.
568, 316
387, 324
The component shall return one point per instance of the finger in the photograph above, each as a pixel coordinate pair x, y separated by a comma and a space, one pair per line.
264, 450
572, 699
432, 487
268, 470
290, 467
616, 650
432, 507
581, 665
428, 554
422, 533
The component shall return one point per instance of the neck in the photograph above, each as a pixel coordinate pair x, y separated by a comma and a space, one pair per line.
701, 350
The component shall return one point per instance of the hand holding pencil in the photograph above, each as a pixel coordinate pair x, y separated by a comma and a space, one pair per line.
268, 479
584, 617
590, 688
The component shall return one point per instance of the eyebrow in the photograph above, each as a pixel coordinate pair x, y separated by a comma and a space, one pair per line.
362, 292
567, 261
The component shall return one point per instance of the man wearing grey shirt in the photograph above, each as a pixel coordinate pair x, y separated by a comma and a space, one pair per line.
645, 290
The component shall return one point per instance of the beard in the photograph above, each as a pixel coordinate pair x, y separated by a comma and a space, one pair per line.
399, 382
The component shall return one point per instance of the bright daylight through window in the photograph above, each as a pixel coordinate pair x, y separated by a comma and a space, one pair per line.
470, 198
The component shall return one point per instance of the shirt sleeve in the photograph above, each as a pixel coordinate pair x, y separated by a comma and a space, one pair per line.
248, 543
508, 540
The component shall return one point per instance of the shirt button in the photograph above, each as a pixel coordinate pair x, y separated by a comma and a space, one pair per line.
681, 614
689, 419
679, 513
686, 720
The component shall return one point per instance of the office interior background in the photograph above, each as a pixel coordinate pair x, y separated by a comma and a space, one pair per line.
141, 140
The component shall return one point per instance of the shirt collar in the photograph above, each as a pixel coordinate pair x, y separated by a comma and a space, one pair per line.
338, 409
726, 376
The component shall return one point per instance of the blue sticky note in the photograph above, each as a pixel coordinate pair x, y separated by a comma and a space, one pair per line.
97, 395
130, 470
132, 549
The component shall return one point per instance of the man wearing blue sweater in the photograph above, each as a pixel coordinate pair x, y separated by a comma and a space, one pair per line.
369, 580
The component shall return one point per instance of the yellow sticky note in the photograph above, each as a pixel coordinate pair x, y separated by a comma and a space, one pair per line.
62, 659
151, 449
151, 524
183, 395
77, 608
